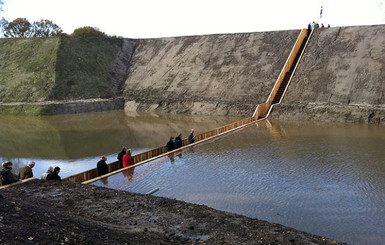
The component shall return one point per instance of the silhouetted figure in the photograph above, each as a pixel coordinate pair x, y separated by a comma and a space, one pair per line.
102, 166
128, 160
121, 155
6, 174
26, 171
54, 175
44, 175
171, 144
191, 137
178, 141
308, 29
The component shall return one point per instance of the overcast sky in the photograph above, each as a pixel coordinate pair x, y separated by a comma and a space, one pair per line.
161, 18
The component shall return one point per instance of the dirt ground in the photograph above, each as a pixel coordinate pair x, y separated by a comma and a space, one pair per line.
53, 212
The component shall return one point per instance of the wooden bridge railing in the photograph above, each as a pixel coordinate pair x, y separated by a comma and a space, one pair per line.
17, 183
160, 151
263, 109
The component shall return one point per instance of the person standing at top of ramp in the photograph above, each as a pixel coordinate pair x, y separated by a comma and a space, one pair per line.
191, 137
120, 156
102, 166
127, 159
26, 171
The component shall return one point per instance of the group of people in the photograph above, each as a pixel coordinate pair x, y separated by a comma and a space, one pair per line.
315, 25
178, 143
25, 172
124, 157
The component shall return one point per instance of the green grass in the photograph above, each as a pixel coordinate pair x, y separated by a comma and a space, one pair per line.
41, 69
84, 68
26, 110
27, 68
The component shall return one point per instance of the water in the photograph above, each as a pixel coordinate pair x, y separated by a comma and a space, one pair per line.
77, 142
323, 178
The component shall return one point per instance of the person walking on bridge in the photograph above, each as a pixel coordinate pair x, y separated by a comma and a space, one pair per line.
26, 171
171, 144
6, 174
191, 137
54, 175
102, 166
178, 141
44, 175
120, 156
128, 160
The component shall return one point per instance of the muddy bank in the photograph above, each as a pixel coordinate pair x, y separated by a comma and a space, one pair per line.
68, 213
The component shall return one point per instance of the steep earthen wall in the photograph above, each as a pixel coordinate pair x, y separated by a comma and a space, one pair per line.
215, 74
340, 77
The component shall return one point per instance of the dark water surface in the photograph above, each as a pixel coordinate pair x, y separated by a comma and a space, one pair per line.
76, 142
323, 178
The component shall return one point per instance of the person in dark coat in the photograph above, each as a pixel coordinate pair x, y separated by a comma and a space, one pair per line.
6, 174
26, 171
128, 160
191, 137
120, 156
178, 141
102, 166
54, 175
171, 144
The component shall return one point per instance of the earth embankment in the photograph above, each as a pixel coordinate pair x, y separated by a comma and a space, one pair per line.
40, 76
214, 74
340, 77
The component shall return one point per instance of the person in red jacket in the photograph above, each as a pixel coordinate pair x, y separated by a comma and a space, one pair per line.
128, 159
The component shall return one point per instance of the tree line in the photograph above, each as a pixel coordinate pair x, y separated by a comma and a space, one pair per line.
22, 28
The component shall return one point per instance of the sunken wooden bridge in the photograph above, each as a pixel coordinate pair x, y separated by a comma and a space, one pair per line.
261, 113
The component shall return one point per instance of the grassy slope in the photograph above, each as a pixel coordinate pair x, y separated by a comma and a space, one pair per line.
84, 68
27, 68
40, 69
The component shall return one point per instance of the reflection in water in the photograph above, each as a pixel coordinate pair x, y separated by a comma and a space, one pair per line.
129, 173
76, 142
323, 178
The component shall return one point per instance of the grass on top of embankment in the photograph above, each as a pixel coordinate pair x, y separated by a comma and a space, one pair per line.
27, 68
84, 68
58, 68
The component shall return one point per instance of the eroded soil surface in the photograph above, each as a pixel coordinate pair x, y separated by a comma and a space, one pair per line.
38, 212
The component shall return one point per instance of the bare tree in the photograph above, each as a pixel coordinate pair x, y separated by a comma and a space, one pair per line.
20, 27
45, 28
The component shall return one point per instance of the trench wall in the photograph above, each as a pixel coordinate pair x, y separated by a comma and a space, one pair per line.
214, 74
341, 77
